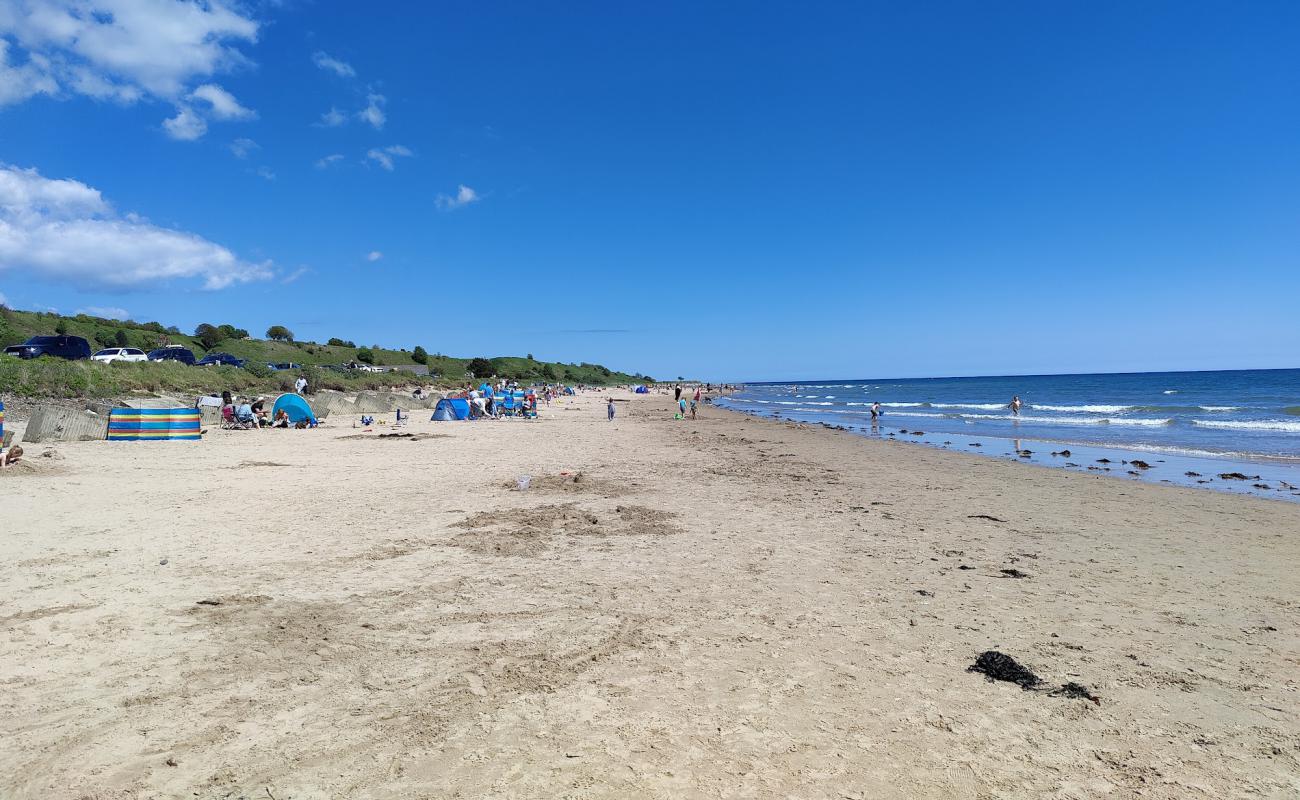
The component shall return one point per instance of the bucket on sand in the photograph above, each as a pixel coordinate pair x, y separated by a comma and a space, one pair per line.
523, 481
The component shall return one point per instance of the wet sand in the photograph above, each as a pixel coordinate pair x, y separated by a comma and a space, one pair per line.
729, 607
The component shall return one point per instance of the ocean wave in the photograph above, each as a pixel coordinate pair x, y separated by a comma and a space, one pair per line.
1097, 409
977, 406
1292, 410
1171, 391
1285, 425
1075, 420
906, 405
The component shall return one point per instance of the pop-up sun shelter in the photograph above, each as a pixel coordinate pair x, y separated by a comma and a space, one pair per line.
153, 424
295, 407
451, 408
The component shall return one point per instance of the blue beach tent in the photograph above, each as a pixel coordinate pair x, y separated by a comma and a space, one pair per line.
451, 408
295, 407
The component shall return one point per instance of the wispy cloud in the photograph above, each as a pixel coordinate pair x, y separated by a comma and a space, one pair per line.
464, 196
327, 62
374, 255
65, 231
222, 104
186, 126
332, 118
383, 156
373, 113
295, 275
264, 173
242, 147
107, 312
329, 161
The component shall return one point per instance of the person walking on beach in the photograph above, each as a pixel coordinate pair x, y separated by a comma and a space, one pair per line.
300, 385
1015, 405
681, 408
609, 408
677, 392
694, 404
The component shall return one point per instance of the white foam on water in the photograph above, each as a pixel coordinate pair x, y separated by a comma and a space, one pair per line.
1171, 391
977, 406
1287, 426
1220, 408
1097, 409
904, 405
1073, 420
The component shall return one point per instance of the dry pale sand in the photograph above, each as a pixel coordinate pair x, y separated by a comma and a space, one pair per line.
722, 608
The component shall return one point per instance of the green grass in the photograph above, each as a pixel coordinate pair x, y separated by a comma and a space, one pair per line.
49, 377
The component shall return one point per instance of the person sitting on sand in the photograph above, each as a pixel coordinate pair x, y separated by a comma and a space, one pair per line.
1016, 405
281, 419
11, 456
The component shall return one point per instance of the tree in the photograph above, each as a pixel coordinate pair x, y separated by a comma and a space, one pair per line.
337, 342
61, 327
365, 356
103, 338
279, 333
419, 355
530, 357
480, 367
121, 339
208, 335
549, 373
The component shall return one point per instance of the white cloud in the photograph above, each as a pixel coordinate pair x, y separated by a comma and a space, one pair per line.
373, 113
223, 104
464, 196
327, 62
242, 147
264, 172
332, 118
124, 51
384, 155
329, 160
186, 126
65, 231
374, 255
107, 312
295, 275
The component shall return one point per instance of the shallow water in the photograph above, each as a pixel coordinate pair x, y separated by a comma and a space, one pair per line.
1209, 423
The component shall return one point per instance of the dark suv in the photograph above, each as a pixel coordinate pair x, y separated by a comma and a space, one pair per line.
69, 347
172, 353
219, 359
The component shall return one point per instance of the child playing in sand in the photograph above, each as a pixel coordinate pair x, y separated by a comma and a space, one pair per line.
11, 456
694, 403
609, 408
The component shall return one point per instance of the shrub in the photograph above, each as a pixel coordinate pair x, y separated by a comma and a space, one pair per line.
480, 367
208, 335
121, 338
365, 356
419, 355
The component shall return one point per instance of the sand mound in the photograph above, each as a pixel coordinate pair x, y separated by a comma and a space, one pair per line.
529, 531
574, 483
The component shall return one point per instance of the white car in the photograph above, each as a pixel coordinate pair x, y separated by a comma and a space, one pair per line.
111, 354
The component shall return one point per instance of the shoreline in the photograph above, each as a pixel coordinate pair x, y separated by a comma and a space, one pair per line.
1280, 476
715, 608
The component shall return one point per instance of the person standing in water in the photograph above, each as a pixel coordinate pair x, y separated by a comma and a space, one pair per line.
875, 412
1016, 405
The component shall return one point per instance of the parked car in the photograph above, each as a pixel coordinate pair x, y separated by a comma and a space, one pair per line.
110, 354
69, 347
284, 366
173, 352
219, 359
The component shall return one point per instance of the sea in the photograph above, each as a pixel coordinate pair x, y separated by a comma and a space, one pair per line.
1200, 429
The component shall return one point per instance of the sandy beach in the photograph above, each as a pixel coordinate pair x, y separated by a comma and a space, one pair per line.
722, 608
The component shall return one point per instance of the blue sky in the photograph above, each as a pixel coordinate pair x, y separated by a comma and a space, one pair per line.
725, 190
